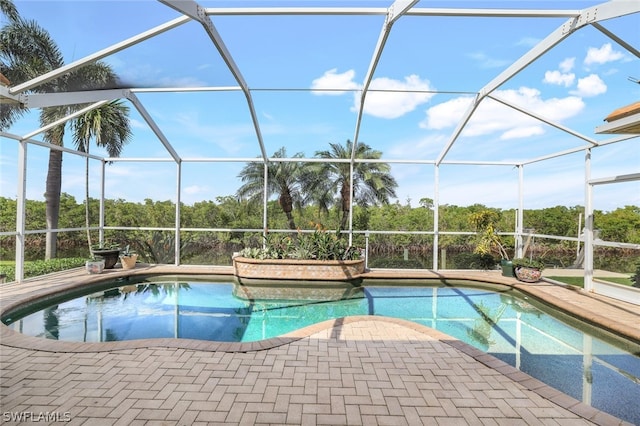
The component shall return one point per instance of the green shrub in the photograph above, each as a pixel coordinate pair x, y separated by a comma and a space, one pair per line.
530, 263
319, 245
636, 278
466, 260
42, 267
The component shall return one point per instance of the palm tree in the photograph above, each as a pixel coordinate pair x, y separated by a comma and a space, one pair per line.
372, 182
109, 127
8, 9
27, 51
282, 179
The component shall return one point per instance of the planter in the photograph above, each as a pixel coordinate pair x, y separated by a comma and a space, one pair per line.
110, 256
507, 268
129, 262
528, 274
94, 266
293, 269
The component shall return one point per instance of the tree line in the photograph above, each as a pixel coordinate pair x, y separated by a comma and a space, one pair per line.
236, 213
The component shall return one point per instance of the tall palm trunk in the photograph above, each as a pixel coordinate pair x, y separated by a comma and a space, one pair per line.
345, 196
286, 203
86, 197
52, 197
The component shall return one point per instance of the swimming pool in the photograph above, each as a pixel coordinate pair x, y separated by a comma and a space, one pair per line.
596, 369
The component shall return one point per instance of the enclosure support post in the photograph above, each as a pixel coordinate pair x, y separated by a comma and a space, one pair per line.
265, 197
436, 215
177, 221
588, 223
21, 210
101, 230
520, 214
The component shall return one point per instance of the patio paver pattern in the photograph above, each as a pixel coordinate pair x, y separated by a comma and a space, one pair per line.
356, 370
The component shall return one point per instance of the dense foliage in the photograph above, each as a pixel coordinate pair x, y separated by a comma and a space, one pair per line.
41, 267
221, 220
318, 245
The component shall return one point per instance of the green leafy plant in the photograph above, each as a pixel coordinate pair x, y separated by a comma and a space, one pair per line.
528, 263
488, 241
319, 245
636, 278
127, 253
42, 267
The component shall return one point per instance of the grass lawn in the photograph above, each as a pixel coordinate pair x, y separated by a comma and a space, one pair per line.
579, 281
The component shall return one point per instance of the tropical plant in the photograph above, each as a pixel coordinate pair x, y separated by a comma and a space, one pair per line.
319, 245
528, 263
488, 241
127, 252
373, 183
636, 277
26, 52
8, 9
282, 179
109, 128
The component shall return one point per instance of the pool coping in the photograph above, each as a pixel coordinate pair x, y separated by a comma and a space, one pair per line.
570, 300
13, 295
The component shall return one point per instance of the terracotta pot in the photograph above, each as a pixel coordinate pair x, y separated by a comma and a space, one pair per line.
129, 262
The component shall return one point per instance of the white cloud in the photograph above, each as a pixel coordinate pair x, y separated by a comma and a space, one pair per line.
421, 148
446, 114
332, 83
591, 85
194, 189
567, 65
522, 132
556, 77
387, 98
407, 95
562, 77
528, 41
485, 61
602, 55
493, 117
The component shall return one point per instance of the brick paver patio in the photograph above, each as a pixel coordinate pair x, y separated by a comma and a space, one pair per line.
353, 371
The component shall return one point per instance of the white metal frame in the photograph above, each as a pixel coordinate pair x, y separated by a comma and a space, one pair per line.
192, 11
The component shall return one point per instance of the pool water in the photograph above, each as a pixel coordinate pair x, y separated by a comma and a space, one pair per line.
588, 366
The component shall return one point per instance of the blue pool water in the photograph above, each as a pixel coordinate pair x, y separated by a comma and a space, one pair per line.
597, 370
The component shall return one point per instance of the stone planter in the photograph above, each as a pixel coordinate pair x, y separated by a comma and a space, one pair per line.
527, 274
293, 269
94, 266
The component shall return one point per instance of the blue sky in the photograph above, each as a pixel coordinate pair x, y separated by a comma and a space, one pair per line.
436, 64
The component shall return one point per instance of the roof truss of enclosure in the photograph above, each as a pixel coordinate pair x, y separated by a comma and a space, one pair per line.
242, 69
190, 11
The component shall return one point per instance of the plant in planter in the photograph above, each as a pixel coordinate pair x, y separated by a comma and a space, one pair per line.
109, 253
319, 245
488, 242
316, 256
128, 258
528, 270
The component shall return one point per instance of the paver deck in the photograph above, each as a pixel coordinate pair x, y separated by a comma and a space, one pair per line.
355, 370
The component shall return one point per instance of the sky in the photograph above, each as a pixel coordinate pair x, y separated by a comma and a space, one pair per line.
306, 73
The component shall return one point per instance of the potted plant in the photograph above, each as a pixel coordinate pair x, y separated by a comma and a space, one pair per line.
128, 258
109, 253
488, 241
528, 270
306, 256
